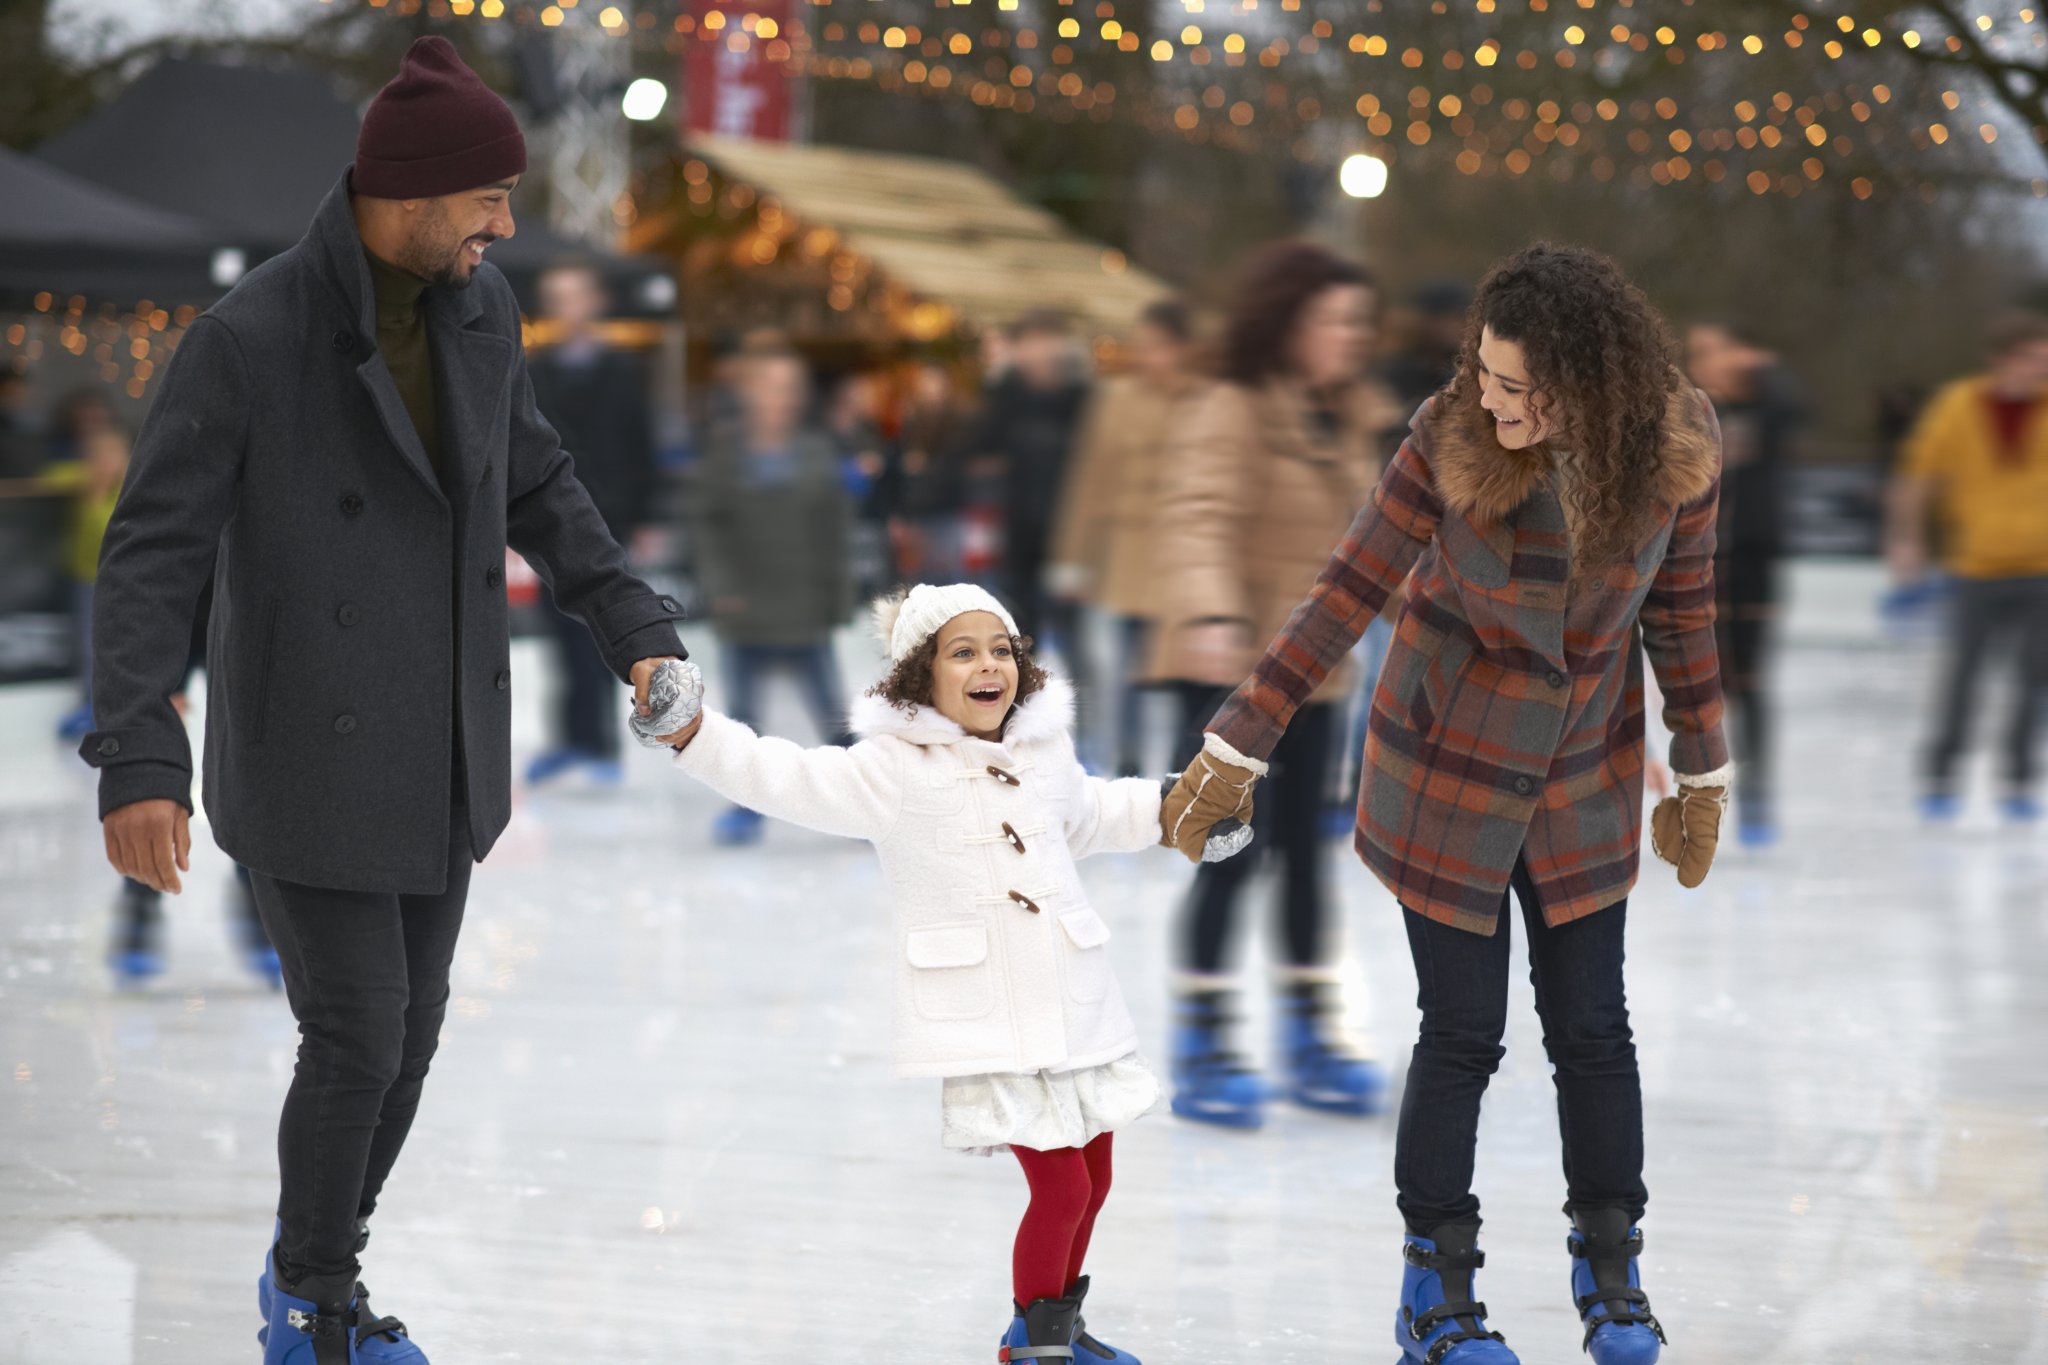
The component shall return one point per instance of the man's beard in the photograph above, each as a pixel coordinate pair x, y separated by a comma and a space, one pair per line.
440, 272
440, 267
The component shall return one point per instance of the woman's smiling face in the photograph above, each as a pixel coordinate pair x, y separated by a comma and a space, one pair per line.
1505, 393
974, 674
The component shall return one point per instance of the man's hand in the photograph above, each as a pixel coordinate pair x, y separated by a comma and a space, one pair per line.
643, 674
150, 841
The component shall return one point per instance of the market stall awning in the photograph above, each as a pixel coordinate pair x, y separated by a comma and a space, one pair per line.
943, 230
68, 236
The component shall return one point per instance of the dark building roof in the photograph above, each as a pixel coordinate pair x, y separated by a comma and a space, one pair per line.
250, 150
67, 235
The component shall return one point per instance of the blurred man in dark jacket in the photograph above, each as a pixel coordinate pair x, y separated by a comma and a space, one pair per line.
1761, 411
1030, 419
595, 395
771, 521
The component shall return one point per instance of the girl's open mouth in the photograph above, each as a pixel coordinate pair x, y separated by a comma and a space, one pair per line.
988, 694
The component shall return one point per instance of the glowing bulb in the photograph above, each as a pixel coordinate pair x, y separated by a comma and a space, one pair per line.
1362, 176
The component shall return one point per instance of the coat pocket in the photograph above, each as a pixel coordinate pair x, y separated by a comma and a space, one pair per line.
1087, 960
949, 970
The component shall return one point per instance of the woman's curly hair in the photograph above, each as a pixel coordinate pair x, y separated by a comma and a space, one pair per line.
909, 684
1602, 366
1279, 283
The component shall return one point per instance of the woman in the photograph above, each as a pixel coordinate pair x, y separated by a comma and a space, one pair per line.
1266, 472
1108, 523
1556, 499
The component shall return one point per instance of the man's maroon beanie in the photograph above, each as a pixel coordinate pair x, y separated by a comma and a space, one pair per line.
435, 129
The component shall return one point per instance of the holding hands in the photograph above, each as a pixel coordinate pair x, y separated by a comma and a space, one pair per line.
668, 702
1216, 787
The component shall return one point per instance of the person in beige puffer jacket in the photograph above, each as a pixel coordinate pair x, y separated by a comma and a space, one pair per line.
1264, 477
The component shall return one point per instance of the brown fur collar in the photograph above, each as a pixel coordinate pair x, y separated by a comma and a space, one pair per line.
1479, 478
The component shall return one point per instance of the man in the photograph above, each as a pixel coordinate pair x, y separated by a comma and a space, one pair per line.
771, 522
595, 396
1030, 418
350, 439
1981, 448
1761, 412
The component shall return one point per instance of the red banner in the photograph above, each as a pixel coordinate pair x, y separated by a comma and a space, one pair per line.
737, 79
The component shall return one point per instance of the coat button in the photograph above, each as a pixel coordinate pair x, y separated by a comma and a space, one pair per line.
669, 604
1524, 785
495, 575
349, 614
351, 505
1556, 678
342, 342
109, 746
344, 725
504, 680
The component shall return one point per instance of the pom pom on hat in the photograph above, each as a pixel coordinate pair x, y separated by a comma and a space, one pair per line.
905, 620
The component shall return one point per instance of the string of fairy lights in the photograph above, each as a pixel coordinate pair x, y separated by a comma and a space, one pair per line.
1484, 104
129, 343
1026, 68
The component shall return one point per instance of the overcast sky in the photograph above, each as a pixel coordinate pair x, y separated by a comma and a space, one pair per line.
138, 19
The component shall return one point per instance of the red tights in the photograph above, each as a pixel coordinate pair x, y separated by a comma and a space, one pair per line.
1068, 1186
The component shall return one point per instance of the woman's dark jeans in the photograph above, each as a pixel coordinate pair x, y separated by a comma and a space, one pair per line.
1462, 989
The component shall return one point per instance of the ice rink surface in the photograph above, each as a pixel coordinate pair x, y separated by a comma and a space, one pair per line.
661, 1127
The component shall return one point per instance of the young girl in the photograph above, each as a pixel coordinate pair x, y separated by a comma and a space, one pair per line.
1556, 503
966, 783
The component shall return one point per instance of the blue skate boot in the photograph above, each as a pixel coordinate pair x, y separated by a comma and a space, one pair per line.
137, 952
1210, 1083
1620, 1328
1439, 1322
308, 1323
737, 828
378, 1341
1087, 1350
1042, 1334
1323, 1073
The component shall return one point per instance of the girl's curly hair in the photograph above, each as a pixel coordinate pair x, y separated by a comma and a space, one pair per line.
909, 684
1602, 365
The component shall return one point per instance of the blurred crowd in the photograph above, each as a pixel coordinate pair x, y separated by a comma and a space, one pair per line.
1152, 513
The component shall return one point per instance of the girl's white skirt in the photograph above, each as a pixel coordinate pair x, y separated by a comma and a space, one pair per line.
1045, 1110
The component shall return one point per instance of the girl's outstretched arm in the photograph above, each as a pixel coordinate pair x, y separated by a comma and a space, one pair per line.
851, 792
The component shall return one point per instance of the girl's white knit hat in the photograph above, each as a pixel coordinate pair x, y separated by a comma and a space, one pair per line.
904, 621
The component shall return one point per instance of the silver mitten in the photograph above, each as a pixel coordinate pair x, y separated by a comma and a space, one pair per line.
674, 697
1227, 839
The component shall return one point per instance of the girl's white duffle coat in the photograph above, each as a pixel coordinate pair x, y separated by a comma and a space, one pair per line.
1001, 962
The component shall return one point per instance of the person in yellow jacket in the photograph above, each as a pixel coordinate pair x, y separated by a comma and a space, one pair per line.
1980, 457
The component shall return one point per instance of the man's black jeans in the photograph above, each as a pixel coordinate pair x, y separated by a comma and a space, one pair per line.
367, 977
1462, 989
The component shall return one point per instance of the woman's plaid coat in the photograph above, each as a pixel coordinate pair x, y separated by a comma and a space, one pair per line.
1508, 720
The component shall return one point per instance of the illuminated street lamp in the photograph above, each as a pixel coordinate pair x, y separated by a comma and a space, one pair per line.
1362, 176
644, 100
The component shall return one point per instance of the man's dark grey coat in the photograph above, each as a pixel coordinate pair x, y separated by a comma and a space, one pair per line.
359, 611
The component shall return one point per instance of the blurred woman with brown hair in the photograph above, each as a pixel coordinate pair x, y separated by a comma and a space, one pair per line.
1263, 476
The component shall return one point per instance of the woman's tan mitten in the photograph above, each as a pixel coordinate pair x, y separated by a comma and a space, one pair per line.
1212, 789
1685, 830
